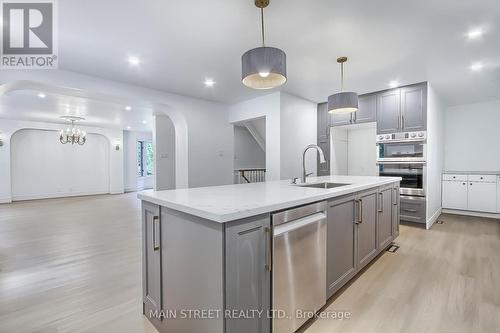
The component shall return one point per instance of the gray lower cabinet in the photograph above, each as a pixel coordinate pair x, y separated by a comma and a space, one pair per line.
367, 227
385, 211
396, 201
151, 259
248, 277
341, 243
367, 109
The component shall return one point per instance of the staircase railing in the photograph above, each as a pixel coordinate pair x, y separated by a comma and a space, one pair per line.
250, 175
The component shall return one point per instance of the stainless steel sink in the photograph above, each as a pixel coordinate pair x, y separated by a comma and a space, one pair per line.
324, 185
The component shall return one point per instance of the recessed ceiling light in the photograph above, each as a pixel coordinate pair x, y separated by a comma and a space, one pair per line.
128, 108
394, 84
134, 61
209, 82
144, 122
128, 128
41, 95
477, 66
475, 33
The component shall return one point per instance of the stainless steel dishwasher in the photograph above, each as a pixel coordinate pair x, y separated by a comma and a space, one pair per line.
298, 265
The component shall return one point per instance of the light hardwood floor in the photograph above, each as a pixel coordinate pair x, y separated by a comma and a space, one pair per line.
74, 265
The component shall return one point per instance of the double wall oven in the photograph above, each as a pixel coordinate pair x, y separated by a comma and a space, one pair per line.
404, 155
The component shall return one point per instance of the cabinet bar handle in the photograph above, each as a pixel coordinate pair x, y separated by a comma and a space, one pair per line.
156, 222
402, 122
381, 202
269, 235
395, 202
360, 210
410, 210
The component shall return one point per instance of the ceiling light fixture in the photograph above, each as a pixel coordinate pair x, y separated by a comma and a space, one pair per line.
477, 66
41, 95
263, 67
475, 33
209, 82
344, 101
129, 128
134, 61
72, 135
393, 84
144, 122
128, 108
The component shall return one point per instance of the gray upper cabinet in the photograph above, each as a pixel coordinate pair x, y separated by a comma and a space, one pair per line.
151, 259
388, 112
340, 119
384, 225
367, 109
248, 279
341, 256
367, 228
402, 110
324, 138
414, 108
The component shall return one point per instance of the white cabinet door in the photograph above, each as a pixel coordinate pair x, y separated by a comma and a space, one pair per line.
482, 197
455, 195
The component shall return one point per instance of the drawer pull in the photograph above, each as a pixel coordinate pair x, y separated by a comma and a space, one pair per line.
155, 233
410, 210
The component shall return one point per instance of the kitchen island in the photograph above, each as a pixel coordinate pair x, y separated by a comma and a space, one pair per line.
209, 253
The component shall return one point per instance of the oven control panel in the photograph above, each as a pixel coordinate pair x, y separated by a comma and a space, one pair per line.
405, 136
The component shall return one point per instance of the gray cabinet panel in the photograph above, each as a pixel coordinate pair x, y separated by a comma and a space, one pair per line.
384, 224
323, 138
395, 211
151, 260
367, 111
367, 228
388, 112
340, 119
413, 209
340, 256
414, 108
248, 280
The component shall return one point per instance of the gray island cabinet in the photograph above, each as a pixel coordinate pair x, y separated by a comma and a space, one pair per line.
207, 252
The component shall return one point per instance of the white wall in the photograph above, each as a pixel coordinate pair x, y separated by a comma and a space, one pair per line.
298, 121
267, 106
132, 181
7, 165
435, 154
290, 126
472, 137
247, 152
42, 167
164, 147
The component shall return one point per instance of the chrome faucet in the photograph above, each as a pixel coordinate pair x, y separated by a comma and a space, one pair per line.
321, 160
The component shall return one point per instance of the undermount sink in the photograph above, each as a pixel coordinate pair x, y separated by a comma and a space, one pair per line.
324, 185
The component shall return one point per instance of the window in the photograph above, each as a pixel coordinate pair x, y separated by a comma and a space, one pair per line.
144, 158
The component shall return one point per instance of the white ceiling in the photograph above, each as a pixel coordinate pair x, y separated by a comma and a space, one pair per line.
181, 43
26, 105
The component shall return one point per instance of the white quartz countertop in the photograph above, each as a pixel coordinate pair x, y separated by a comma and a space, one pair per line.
232, 202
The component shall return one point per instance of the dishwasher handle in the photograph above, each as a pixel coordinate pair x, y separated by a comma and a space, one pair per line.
299, 223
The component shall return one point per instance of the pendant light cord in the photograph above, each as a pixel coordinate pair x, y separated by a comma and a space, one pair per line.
262, 25
341, 77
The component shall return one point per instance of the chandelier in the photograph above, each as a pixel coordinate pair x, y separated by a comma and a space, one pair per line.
72, 135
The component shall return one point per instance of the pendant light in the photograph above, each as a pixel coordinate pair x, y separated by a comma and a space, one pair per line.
344, 101
263, 67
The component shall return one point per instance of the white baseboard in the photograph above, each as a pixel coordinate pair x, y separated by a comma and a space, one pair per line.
470, 213
55, 195
433, 219
5, 200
